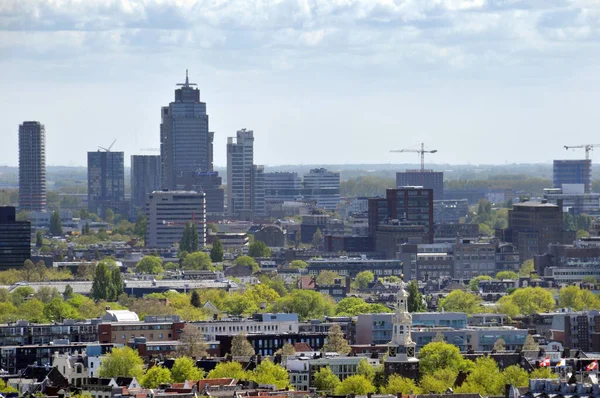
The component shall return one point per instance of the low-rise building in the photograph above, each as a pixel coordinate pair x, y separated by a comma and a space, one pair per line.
351, 266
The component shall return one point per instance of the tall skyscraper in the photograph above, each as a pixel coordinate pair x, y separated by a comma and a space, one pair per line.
282, 187
186, 148
323, 187
106, 182
573, 172
145, 179
32, 166
245, 180
427, 179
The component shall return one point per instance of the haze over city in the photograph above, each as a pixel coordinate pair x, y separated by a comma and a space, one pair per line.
319, 82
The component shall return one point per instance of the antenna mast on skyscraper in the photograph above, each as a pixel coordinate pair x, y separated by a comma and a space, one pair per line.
187, 81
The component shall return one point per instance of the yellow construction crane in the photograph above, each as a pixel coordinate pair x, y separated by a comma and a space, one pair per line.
587, 147
421, 151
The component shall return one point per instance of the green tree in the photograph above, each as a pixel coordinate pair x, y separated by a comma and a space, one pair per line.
500, 345
247, 261
352, 306
543, 373
528, 300
440, 355
577, 299
326, 278
109, 216
507, 275
298, 264
365, 369
336, 342
149, 265
184, 368
155, 376
515, 376
122, 361
195, 299
107, 284
198, 261
317, 238
474, 283
191, 342
55, 224
39, 239
241, 347
4, 388
45, 294
403, 385
530, 344
484, 378
228, 369
459, 301
415, 298
527, 268
216, 252
57, 310
190, 238
141, 223
269, 373
259, 249
325, 380
356, 384
116, 284
306, 303
287, 350
85, 230
363, 279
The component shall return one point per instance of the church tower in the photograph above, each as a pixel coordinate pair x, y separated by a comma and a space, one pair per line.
401, 350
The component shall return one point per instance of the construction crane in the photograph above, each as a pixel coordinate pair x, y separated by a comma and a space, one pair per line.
587, 147
108, 149
421, 151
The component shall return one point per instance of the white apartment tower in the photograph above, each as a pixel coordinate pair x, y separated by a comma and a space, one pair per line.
169, 211
32, 166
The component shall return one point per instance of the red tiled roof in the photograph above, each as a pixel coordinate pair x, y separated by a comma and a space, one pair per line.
302, 347
307, 282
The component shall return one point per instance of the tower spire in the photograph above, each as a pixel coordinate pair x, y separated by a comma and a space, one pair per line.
187, 81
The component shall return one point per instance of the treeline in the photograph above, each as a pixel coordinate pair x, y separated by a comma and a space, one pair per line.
517, 182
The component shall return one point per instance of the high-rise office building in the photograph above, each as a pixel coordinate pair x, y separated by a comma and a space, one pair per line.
15, 239
168, 212
428, 179
32, 166
186, 148
106, 183
282, 187
323, 187
145, 179
573, 172
245, 180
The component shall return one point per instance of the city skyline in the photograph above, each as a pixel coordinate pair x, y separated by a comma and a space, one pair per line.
520, 75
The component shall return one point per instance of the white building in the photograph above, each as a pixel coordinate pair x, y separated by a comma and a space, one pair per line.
169, 211
323, 187
282, 187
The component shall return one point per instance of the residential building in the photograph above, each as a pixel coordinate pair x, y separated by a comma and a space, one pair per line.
577, 329
310, 224
427, 179
152, 328
145, 179
322, 187
573, 172
507, 257
302, 369
258, 324
208, 182
26, 333
449, 232
573, 199
15, 239
347, 244
32, 166
450, 211
282, 187
570, 263
245, 180
168, 212
472, 259
427, 261
348, 266
106, 182
533, 226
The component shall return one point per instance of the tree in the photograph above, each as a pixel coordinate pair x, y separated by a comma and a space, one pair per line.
287, 350
439, 381
122, 361
216, 252
528, 300
195, 299
241, 347
117, 284
155, 376
352, 306
507, 275
530, 344
189, 239
357, 385
317, 238
484, 378
326, 278
403, 385
306, 303
365, 369
415, 298
247, 261
85, 230
527, 268
55, 224
149, 265
57, 310
269, 373
438, 338
363, 279
191, 342
298, 264
515, 376
499, 345
45, 294
577, 299
107, 284
474, 283
336, 342
198, 261
39, 239
228, 369
326, 380
543, 373
141, 223
440, 355
184, 368
4, 388
258, 249
459, 301
109, 216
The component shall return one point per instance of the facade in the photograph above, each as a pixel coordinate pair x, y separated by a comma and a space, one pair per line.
577, 330
302, 369
259, 324
152, 328
427, 261
449, 211
310, 224
145, 179
533, 226
449, 232
345, 266
282, 187
573, 172
245, 180
208, 182
427, 179
32, 166
106, 182
322, 187
168, 212
25, 333
570, 263
15, 239
472, 259
574, 200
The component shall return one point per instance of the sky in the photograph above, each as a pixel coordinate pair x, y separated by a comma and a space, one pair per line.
319, 81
